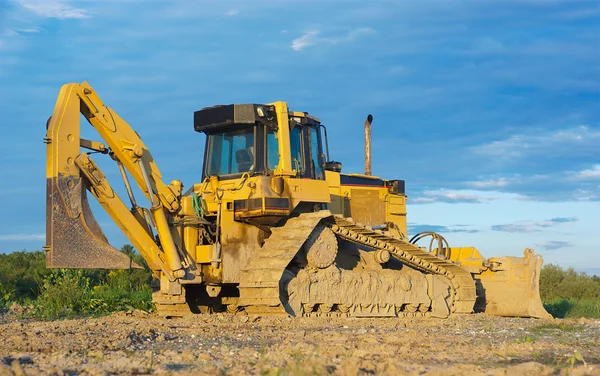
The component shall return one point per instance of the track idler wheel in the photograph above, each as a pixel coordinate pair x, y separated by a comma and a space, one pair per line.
321, 248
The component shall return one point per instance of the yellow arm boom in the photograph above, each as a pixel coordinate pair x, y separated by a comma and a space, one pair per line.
74, 239
126, 221
126, 145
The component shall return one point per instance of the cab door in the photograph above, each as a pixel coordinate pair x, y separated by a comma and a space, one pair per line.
314, 151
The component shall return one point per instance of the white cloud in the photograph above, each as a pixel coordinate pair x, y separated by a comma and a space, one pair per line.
492, 183
9, 33
59, 9
414, 228
29, 30
457, 196
9, 38
312, 38
531, 226
559, 142
22, 237
593, 173
308, 39
514, 180
586, 195
554, 244
232, 12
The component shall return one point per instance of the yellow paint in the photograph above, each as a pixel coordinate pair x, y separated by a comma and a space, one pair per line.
284, 168
204, 254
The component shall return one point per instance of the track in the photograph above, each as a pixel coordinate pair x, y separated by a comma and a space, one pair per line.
261, 283
409, 254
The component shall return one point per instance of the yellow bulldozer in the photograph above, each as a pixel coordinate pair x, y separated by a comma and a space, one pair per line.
274, 227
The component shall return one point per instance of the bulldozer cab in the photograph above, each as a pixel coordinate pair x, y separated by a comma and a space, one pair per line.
260, 140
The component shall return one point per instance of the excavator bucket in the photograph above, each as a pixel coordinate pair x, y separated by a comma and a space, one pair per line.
511, 287
73, 237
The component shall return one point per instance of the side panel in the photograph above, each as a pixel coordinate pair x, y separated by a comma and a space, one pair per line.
239, 243
367, 199
395, 211
335, 193
366, 206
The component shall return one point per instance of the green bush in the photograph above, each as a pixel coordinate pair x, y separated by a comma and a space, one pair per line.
56, 293
64, 293
568, 293
556, 282
21, 275
7, 296
69, 293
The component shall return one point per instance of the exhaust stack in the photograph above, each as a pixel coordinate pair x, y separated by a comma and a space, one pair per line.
368, 145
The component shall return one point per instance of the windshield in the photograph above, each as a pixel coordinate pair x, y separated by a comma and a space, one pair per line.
230, 152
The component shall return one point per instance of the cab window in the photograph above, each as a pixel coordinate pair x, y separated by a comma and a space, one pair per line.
315, 151
231, 152
272, 149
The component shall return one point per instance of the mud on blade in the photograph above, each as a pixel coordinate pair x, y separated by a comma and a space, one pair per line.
513, 288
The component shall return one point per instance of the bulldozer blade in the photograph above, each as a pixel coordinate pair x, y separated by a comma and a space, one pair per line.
512, 287
73, 237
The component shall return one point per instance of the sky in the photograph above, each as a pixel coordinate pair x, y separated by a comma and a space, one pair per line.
490, 111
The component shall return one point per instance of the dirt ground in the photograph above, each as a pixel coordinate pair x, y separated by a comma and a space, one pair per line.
140, 343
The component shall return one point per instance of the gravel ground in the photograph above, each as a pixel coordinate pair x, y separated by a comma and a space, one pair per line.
140, 343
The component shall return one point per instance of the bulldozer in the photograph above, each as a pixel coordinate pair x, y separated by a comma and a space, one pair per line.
273, 228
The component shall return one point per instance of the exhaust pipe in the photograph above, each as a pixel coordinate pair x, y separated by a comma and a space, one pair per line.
368, 145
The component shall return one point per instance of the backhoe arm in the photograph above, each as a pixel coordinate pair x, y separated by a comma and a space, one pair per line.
74, 239
126, 145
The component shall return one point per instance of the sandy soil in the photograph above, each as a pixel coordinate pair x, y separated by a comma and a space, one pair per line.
140, 343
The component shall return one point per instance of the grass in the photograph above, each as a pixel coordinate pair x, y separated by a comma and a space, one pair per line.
573, 308
562, 327
526, 339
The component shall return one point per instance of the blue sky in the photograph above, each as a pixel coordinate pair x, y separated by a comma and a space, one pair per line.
489, 110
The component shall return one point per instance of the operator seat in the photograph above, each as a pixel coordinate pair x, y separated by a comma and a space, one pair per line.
244, 160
